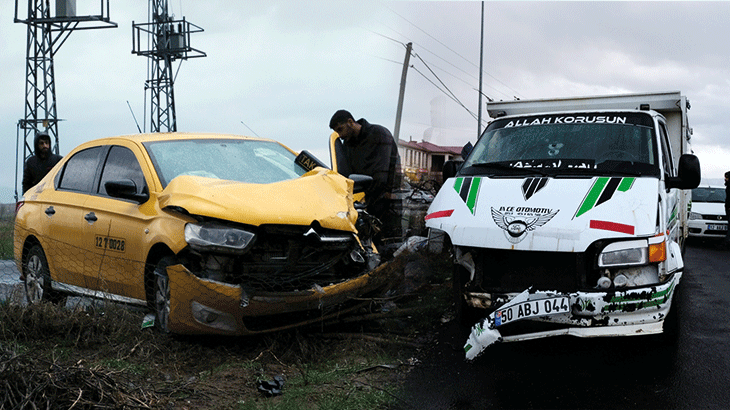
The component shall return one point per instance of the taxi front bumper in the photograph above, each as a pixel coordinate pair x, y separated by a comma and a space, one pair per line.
203, 306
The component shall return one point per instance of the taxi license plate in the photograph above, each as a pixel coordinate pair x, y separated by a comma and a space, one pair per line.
531, 308
716, 227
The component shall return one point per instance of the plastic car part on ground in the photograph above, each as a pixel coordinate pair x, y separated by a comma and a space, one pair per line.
271, 387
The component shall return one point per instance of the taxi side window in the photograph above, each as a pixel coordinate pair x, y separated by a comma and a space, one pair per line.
122, 164
80, 170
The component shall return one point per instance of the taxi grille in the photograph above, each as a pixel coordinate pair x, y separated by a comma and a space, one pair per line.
514, 271
289, 258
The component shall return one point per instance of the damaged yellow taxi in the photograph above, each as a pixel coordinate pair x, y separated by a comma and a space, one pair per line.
213, 233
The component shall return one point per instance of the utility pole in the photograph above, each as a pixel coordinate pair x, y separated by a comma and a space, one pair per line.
46, 34
481, 62
396, 130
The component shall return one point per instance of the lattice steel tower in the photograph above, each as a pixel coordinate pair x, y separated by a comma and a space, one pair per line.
167, 40
46, 34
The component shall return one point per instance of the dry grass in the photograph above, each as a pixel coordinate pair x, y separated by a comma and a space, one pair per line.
56, 358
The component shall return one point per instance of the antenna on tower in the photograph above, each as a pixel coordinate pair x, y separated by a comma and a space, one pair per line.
46, 34
167, 40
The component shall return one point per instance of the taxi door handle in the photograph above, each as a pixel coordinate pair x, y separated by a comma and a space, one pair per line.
90, 217
50, 211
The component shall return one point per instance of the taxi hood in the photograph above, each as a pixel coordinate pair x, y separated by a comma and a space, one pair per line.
544, 214
320, 195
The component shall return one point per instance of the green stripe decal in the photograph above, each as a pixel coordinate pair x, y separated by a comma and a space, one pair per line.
471, 200
457, 183
626, 184
593, 195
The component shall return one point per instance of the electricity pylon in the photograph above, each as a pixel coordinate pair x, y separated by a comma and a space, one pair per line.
46, 34
167, 40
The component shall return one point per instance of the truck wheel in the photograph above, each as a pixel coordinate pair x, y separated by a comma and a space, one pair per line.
162, 294
38, 278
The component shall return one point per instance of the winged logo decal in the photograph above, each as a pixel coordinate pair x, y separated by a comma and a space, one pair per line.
516, 222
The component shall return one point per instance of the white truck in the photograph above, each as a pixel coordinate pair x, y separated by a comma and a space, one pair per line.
569, 216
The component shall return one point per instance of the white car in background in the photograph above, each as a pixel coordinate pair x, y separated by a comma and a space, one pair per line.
707, 217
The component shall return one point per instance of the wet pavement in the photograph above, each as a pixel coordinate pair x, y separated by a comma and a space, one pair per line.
691, 371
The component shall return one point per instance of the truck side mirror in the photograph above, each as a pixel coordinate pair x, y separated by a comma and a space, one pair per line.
689, 173
451, 168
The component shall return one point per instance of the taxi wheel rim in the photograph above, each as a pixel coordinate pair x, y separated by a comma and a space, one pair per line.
162, 301
34, 280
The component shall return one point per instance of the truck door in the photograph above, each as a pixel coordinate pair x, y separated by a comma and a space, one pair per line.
674, 209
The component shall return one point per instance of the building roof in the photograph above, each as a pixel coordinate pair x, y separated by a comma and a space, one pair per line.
429, 147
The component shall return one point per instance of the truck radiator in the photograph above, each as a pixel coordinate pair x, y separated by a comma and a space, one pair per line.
514, 271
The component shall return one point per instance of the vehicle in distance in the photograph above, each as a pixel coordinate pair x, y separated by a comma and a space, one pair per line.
214, 233
707, 218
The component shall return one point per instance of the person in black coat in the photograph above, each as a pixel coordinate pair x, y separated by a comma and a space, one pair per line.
38, 164
370, 149
727, 207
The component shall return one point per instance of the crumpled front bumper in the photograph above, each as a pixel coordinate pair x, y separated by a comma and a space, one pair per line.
202, 306
638, 311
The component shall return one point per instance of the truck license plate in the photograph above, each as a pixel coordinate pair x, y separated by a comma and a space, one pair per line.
716, 227
531, 308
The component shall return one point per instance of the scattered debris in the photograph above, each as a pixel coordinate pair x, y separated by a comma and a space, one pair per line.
148, 321
273, 387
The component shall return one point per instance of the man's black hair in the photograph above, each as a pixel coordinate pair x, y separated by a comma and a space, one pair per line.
340, 117
727, 175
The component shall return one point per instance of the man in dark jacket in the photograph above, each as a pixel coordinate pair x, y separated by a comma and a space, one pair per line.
727, 207
370, 149
38, 165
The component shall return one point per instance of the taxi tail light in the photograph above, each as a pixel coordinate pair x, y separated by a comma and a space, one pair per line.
658, 251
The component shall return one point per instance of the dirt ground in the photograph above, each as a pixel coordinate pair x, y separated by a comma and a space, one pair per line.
101, 358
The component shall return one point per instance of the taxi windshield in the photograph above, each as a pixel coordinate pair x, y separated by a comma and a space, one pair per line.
554, 144
250, 161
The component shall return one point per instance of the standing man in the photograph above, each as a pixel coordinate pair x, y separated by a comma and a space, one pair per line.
727, 208
38, 165
370, 149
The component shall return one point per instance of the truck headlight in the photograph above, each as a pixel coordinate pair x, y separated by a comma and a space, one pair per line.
695, 215
625, 253
212, 237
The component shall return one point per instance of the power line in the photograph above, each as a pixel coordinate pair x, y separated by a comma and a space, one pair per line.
508, 95
448, 48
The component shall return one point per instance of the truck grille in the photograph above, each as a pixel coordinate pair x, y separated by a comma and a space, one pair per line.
514, 271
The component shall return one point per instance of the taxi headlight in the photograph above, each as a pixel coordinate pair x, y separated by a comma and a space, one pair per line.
626, 253
695, 215
211, 237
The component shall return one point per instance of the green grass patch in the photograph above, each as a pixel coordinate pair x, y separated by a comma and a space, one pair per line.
6, 238
328, 386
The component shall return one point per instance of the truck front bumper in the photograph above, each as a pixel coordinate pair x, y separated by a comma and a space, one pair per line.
637, 311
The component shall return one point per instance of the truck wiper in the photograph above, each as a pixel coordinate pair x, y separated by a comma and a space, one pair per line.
511, 169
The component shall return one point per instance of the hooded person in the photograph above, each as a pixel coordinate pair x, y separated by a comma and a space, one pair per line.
37, 165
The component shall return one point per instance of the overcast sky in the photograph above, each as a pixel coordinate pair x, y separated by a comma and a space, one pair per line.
283, 67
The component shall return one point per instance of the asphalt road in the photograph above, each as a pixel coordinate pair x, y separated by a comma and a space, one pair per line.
639, 372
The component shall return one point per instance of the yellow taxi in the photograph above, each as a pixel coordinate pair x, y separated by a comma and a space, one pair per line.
213, 233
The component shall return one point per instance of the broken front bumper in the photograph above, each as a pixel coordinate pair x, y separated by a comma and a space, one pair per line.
202, 306
637, 311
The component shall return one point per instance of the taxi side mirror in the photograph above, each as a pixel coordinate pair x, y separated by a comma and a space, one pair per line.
362, 182
126, 189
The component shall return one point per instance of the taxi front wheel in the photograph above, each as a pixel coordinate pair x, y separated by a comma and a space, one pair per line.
38, 278
162, 294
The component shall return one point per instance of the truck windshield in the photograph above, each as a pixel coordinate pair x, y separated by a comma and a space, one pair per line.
585, 144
